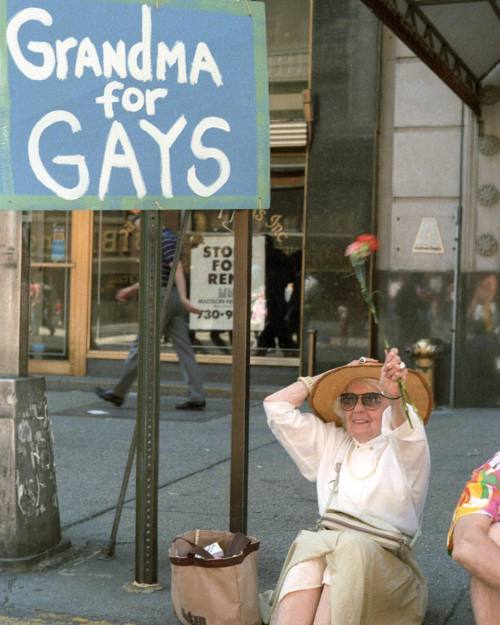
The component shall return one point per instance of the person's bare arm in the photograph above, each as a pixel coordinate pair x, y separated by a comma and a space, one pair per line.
475, 550
127, 292
180, 283
295, 394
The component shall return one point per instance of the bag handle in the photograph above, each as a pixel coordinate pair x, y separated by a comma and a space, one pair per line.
194, 549
237, 545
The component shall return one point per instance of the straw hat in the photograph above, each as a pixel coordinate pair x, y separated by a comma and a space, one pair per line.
328, 388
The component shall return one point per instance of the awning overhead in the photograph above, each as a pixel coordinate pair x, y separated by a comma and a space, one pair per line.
458, 39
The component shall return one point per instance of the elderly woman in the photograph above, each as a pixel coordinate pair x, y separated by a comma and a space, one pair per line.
371, 466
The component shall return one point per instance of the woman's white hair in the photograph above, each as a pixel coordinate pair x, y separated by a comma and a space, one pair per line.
372, 382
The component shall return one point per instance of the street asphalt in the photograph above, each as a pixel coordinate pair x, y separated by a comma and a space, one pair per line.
91, 441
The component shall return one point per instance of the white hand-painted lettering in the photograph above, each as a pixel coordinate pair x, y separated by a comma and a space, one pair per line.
107, 59
203, 153
87, 57
166, 56
133, 99
114, 59
30, 70
62, 49
142, 50
165, 142
76, 160
204, 62
126, 160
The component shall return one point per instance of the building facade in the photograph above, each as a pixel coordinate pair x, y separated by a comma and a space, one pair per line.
365, 138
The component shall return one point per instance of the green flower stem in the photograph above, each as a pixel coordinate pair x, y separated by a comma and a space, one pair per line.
359, 270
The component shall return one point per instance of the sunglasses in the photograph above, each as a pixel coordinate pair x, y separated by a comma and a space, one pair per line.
371, 401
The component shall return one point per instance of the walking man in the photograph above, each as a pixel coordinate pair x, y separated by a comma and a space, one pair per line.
175, 327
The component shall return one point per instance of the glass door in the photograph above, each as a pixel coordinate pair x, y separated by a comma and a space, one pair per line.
58, 292
49, 285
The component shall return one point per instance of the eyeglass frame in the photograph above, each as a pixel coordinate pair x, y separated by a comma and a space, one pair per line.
361, 396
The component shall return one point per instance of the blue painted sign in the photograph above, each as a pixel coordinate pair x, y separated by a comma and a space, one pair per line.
114, 104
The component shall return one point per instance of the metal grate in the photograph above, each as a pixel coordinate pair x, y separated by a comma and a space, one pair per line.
288, 134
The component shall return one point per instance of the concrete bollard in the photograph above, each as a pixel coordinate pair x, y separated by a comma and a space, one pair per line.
424, 352
29, 513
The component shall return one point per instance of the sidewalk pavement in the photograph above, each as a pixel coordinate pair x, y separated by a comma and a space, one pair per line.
91, 446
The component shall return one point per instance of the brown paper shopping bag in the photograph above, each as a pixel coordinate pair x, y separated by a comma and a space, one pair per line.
209, 591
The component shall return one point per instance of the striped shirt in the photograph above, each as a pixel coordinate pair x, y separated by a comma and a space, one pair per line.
168, 245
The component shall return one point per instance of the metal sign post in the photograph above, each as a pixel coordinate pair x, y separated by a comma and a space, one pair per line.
241, 370
148, 401
109, 551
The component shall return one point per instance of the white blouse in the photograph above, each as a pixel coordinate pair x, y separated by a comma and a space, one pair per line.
386, 478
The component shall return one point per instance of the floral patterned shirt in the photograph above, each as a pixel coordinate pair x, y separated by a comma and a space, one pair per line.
481, 495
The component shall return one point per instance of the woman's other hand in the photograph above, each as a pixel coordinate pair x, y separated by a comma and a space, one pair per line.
363, 360
296, 393
393, 371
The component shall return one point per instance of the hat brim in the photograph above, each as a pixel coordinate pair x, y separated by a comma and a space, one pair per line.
328, 388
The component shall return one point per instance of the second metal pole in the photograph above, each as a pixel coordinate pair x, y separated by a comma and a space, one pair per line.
241, 368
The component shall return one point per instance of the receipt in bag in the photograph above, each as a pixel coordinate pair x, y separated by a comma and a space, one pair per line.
214, 549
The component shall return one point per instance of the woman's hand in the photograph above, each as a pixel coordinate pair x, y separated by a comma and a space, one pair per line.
363, 360
393, 371
296, 393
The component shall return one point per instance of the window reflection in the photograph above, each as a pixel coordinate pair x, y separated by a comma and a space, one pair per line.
275, 275
479, 365
419, 305
207, 256
49, 284
115, 264
280, 300
49, 295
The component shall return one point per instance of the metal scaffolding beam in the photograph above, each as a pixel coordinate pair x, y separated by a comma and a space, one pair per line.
413, 27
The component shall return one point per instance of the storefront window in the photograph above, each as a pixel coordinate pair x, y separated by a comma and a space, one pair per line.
417, 305
478, 364
115, 264
276, 278
207, 257
49, 284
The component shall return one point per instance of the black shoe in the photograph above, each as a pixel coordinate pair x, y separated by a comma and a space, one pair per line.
191, 405
109, 396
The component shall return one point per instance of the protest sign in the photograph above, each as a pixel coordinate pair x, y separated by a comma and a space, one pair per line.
117, 104
211, 284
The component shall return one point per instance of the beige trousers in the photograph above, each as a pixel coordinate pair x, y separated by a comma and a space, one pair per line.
369, 584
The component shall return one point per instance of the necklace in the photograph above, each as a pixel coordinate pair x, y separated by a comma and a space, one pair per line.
374, 463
